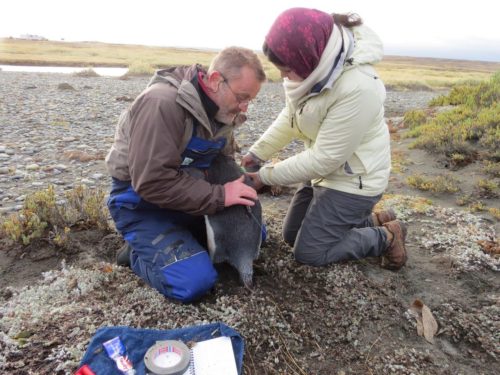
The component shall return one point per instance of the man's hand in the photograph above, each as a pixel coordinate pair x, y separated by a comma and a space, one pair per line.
257, 182
237, 192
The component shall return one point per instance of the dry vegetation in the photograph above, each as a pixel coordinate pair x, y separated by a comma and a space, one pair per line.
428, 73
397, 72
138, 58
43, 215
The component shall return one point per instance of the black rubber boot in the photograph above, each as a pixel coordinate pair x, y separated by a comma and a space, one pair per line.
123, 256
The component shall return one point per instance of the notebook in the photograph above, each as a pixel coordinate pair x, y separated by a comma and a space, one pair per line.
212, 357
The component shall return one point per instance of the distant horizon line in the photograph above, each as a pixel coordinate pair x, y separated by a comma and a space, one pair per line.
390, 51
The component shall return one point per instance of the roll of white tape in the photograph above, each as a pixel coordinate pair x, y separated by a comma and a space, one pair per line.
169, 357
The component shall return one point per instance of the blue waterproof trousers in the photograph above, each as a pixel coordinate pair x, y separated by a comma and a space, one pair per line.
166, 249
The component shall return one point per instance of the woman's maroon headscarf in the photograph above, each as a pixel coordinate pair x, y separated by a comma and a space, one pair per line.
298, 37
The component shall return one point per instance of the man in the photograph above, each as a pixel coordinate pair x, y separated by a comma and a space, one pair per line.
184, 118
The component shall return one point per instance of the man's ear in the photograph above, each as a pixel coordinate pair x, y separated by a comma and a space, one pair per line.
214, 80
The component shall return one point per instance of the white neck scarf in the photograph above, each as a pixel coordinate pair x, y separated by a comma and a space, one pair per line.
295, 91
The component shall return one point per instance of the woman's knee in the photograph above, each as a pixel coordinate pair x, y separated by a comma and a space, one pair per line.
309, 256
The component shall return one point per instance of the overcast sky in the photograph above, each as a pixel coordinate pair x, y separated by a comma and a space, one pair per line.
432, 28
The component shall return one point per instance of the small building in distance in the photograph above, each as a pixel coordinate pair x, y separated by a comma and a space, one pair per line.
32, 37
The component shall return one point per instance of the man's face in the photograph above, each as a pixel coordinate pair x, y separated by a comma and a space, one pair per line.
234, 95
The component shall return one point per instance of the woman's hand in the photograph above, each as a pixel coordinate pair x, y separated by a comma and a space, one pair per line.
250, 162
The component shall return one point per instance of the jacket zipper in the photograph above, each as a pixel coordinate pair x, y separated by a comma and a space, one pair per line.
301, 108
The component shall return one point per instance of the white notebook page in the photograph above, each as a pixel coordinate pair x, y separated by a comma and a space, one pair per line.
213, 357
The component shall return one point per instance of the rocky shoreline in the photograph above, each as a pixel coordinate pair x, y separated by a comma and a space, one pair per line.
57, 128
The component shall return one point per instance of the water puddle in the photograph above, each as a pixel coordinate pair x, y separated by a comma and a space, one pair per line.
102, 71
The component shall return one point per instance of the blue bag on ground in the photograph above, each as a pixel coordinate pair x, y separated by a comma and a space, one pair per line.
138, 340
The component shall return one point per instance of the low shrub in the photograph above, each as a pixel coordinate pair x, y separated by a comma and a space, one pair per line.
439, 184
408, 86
487, 188
88, 73
495, 212
492, 168
414, 118
43, 216
140, 68
477, 206
464, 200
467, 132
399, 161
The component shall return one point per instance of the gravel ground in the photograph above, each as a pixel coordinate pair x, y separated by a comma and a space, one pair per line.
56, 129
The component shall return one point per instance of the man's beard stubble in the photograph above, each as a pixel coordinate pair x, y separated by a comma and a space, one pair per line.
229, 118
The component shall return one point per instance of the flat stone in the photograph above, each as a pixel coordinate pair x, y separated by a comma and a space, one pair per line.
32, 167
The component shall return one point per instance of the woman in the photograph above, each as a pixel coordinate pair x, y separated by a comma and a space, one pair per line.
335, 104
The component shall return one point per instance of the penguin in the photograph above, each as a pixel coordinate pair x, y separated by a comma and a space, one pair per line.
234, 235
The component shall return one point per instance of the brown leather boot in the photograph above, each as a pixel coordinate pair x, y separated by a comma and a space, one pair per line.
395, 255
384, 217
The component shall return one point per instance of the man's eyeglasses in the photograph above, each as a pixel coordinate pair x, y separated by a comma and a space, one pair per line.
239, 98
